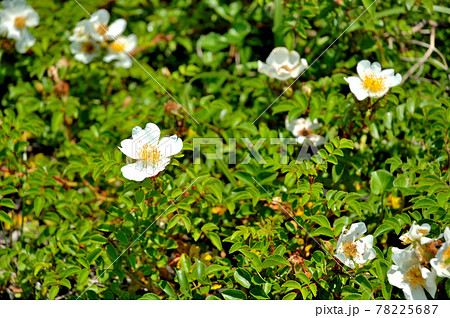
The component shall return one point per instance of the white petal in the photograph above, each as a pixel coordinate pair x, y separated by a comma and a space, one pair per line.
294, 58
149, 135
447, 234
131, 43
124, 61
356, 231
430, 280
101, 16
316, 140
363, 68
376, 68
25, 41
266, 69
278, 56
138, 172
356, 87
314, 124
301, 139
396, 277
414, 293
129, 148
116, 28
109, 57
169, 146
32, 18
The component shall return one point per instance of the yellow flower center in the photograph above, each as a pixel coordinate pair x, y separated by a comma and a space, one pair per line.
102, 29
118, 46
20, 22
88, 48
423, 231
414, 277
373, 83
350, 249
150, 155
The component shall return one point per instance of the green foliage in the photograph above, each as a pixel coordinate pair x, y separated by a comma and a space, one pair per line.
73, 227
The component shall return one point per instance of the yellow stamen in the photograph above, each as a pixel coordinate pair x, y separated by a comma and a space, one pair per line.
20, 22
350, 249
150, 154
102, 29
374, 83
423, 231
118, 46
414, 277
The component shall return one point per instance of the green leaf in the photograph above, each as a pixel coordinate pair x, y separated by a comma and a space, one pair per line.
275, 260
381, 181
242, 277
187, 222
370, 6
292, 284
321, 220
38, 205
53, 292
149, 296
383, 228
184, 283
7, 203
215, 239
5, 218
322, 231
92, 256
167, 288
233, 294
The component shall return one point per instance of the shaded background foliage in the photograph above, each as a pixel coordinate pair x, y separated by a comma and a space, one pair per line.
68, 213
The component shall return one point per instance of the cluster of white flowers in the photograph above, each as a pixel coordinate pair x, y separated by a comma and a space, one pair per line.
353, 248
90, 35
413, 271
372, 82
15, 19
151, 154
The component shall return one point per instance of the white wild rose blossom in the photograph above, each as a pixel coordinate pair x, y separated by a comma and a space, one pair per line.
353, 248
15, 19
409, 275
372, 81
282, 64
441, 262
303, 129
151, 154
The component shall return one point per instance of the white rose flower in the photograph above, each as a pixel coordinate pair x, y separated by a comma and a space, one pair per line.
15, 17
352, 248
82, 31
303, 129
100, 29
372, 81
441, 263
416, 234
282, 64
152, 154
408, 275
85, 51
120, 50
